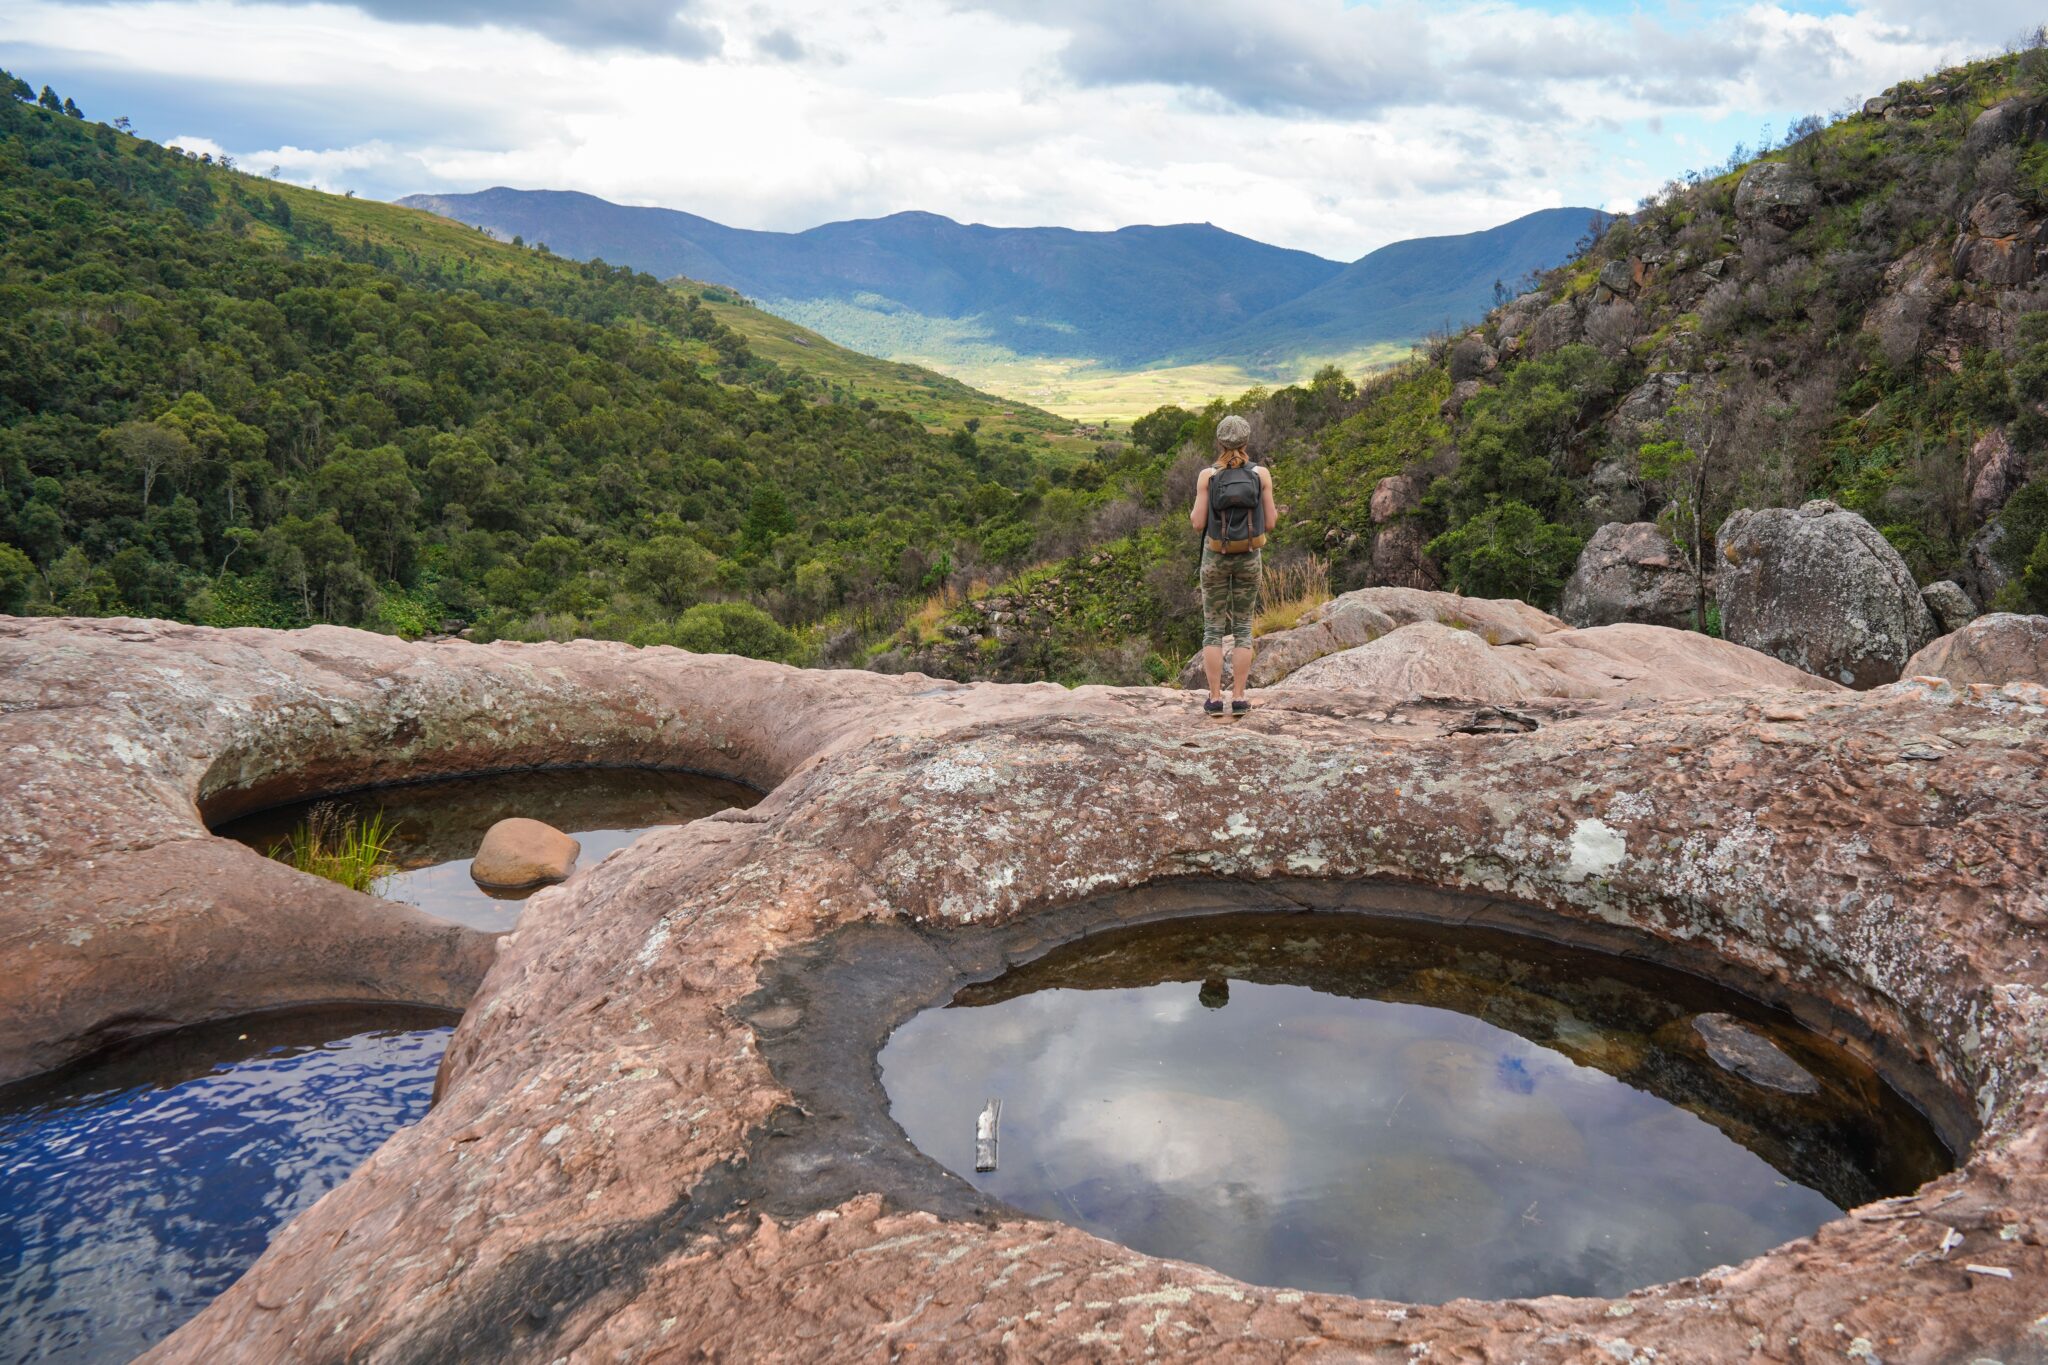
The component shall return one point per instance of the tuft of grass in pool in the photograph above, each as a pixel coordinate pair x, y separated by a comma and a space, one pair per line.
340, 846
1394, 1110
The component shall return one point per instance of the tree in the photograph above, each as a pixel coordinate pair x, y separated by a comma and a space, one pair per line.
1509, 550
121, 122
672, 569
1693, 468
48, 99
17, 577
17, 87
371, 494
73, 110
768, 517
152, 449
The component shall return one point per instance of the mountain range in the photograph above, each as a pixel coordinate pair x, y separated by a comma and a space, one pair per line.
921, 285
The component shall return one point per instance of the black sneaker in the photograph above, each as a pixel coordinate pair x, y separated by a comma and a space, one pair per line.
1213, 706
1240, 706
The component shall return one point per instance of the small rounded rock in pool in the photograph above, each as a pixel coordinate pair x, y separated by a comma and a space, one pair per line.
1396, 1111
437, 826
139, 1184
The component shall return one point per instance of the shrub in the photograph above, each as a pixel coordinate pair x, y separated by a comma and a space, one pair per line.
1508, 550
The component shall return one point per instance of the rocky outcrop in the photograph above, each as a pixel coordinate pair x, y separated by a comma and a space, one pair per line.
1776, 193
1818, 587
1360, 617
1949, 605
2000, 648
638, 1147
1983, 575
1558, 325
1401, 557
1400, 643
1472, 358
1629, 571
1606, 663
1636, 418
2004, 124
518, 853
2000, 244
1994, 472
1397, 495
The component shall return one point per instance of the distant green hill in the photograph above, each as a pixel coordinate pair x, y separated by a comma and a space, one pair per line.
977, 301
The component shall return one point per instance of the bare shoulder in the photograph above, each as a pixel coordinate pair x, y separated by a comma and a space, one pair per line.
1203, 477
1265, 475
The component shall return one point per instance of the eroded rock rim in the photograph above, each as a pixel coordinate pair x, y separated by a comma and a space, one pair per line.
611, 1088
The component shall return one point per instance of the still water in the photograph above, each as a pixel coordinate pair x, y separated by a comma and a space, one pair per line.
438, 825
137, 1186
1395, 1111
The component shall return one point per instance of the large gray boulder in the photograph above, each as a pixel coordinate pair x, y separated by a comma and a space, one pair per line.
1629, 571
1818, 587
1775, 192
2011, 121
2000, 648
1951, 606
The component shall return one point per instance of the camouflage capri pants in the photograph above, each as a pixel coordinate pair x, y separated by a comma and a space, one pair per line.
1230, 596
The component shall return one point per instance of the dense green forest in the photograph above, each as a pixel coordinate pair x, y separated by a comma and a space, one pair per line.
235, 402
1866, 324
232, 401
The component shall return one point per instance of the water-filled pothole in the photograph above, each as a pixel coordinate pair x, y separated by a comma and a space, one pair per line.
436, 826
137, 1185
1397, 1110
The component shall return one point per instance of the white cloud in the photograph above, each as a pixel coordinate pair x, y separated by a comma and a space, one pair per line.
1304, 123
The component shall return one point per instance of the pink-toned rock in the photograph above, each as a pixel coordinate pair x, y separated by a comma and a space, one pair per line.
2000, 648
517, 853
1358, 617
621, 1163
1401, 558
1396, 495
1604, 663
1994, 472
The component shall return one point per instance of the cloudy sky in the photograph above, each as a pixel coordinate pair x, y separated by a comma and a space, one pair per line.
1311, 123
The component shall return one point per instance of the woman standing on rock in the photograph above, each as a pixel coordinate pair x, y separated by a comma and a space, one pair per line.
1233, 510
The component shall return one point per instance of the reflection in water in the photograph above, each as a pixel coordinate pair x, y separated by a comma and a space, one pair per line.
438, 825
136, 1186
1393, 1110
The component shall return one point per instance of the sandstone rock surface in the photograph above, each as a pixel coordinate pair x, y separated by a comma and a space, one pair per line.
1818, 587
517, 853
1629, 571
631, 1156
1402, 642
2000, 648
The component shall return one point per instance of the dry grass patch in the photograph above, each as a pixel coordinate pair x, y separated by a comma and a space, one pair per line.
1289, 591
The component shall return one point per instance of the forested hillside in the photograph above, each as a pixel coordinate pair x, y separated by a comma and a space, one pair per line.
231, 401
1856, 313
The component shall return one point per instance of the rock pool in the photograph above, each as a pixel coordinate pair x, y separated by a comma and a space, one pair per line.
1398, 1111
